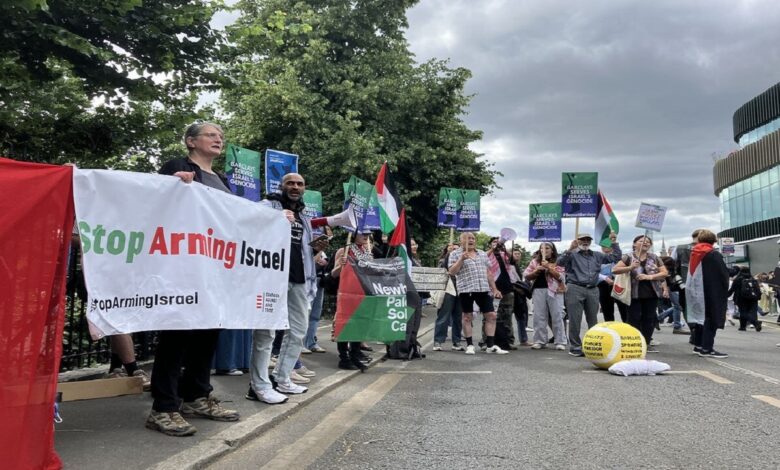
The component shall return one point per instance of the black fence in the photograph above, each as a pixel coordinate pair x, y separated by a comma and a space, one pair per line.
78, 349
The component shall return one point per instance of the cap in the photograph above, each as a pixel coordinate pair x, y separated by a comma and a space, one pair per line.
580, 236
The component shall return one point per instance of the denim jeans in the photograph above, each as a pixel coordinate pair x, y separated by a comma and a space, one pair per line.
314, 319
298, 316
675, 310
449, 314
261, 355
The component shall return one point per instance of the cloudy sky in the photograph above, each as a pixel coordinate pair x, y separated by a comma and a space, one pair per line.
641, 92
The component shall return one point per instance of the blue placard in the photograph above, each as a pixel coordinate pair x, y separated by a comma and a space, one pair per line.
278, 164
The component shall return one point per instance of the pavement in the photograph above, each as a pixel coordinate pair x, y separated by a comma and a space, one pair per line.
110, 432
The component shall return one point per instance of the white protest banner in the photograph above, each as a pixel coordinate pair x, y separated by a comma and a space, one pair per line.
650, 217
160, 254
727, 246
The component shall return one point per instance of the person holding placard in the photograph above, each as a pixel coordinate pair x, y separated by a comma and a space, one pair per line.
583, 266
647, 273
547, 284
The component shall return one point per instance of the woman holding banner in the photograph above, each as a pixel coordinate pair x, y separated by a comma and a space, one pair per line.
548, 286
647, 273
350, 355
475, 284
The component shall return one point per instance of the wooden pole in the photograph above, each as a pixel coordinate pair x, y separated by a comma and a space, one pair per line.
452, 235
576, 228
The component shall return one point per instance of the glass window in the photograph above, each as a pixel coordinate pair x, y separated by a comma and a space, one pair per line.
774, 174
738, 189
764, 178
737, 212
755, 182
724, 195
757, 209
727, 215
747, 210
766, 204
774, 195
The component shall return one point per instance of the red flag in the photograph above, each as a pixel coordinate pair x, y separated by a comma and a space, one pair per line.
36, 221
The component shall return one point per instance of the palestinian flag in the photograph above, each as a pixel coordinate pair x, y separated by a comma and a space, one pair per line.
402, 242
606, 221
694, 285
389, 202
376, 300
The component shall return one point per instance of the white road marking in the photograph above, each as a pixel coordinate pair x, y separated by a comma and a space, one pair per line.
749, 372
445, 371
333, 426
771, 400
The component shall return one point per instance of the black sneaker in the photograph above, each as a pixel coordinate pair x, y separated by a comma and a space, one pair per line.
577, 353
652, 349
717, 354
758, 326
696, 350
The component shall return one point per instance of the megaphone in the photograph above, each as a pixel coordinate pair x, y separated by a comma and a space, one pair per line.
345, 219
507, 234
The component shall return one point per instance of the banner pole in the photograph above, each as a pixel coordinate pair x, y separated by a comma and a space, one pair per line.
576, 227
452, 235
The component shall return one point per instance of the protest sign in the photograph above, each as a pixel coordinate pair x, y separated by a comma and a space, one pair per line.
357, 194
373, 221
579, 194
242, 169
727, 246
376, 300
544, 222
468, 214
278, 164
450, 200
313, 208
429, 279
650, 217
160, 254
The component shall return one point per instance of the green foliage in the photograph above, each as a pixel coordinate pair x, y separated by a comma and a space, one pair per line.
87, 81
334, 82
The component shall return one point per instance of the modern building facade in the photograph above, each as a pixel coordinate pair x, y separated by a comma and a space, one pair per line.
748, 181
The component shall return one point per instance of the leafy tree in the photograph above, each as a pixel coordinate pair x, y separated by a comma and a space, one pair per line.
334, 81
86, 80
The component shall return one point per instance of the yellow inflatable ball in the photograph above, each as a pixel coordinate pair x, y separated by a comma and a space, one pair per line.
611, 342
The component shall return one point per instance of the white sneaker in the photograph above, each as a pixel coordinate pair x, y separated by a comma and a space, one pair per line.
470, 349
305, 351
653, 342
537, 346
437, 346
298, 378
290, 388
529, 330
270, 396
304, 371
560, 347
496, 350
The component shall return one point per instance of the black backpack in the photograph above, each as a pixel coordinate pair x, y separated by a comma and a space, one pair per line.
749, 290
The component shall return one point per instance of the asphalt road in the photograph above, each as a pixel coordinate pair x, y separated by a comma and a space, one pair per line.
541, 409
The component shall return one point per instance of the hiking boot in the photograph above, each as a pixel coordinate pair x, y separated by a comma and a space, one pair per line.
147, 382
303, 371
290, 388
268, 395
346, 364
208, 407
117, 373
170, 423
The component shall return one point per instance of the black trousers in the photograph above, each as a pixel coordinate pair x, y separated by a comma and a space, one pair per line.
192, 350
748, 314
704, 335
608, 304
641, 315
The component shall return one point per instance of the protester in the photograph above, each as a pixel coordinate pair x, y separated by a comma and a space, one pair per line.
674, 285
449, 313
522, 294
182, 365
504, 276
351, 355
681, 256
647, 273
583, 266
706, 291
746, 292
607, 302
547, 281
475, 284
310, 342
123, 356
301, 291
234, 347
